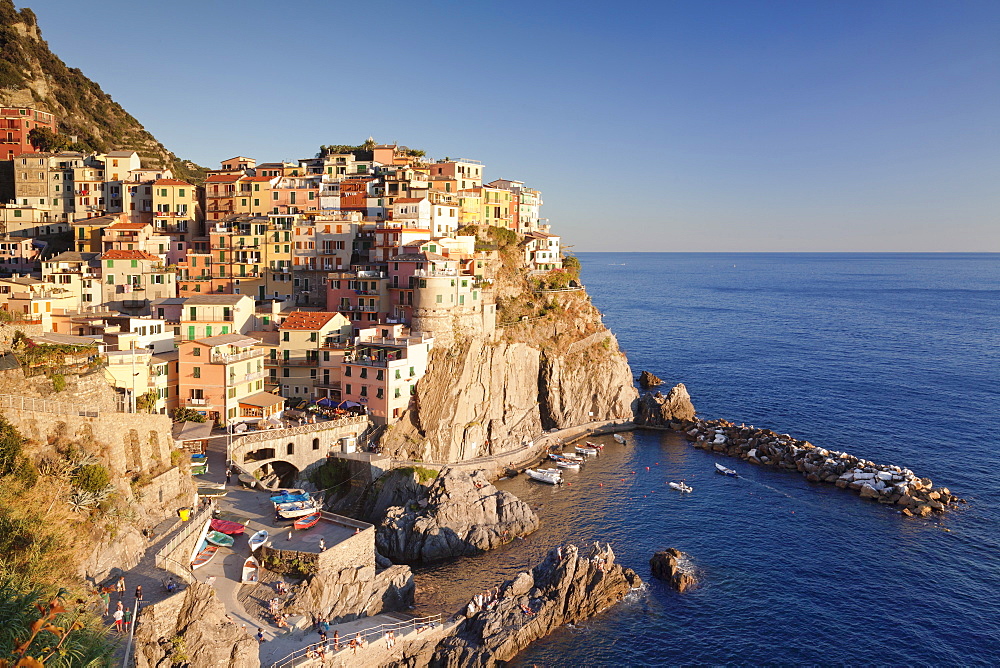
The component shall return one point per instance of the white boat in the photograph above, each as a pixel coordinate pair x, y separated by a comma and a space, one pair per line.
258, 539
719, 468
597, 446
551, 476
566, 464
251, 570
572, 456
584, 450
680, 487
619, 438
295, 509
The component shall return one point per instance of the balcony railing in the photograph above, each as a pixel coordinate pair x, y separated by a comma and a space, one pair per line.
223, 358
191, 401
246, 377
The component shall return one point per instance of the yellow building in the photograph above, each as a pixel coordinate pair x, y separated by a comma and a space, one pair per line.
175, 206
496, 207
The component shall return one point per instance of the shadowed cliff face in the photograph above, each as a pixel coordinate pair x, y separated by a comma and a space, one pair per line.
483, 397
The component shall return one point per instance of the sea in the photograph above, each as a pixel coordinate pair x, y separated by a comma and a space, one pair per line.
891, 357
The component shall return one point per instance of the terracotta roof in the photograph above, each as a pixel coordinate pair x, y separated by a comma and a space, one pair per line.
224, 178
307, 320
171, 182
128, 255
260, 178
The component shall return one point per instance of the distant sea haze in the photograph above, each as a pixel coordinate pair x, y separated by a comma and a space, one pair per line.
893, 357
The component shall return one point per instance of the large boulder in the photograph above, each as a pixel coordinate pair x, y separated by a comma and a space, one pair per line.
565, 588
674, 567
648, 380
353, 592
191, 628
461, 514
657, 410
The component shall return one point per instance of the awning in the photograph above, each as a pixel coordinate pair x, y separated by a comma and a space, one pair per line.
348, 404
262, 400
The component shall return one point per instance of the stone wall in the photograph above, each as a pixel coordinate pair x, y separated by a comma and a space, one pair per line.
309, 444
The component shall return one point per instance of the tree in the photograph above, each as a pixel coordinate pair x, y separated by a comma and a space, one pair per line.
47, 141
183, 414
11, 443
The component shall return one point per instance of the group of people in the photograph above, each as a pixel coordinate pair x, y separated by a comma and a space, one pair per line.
484, 601
122, 616
274, 609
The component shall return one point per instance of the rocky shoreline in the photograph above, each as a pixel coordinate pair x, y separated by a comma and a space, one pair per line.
884, 483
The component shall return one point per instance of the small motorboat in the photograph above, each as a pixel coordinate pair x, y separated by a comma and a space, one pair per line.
680, 487
719, 468
550, 476
204, 555
224, 526
619, 438
307, 522
567, 464
258, 539
585, 450
572, 456
251, 570
219, 538
597, 446
288, 497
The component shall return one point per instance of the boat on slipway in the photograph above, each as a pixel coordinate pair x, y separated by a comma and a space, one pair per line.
225, 526
251, 570
307, 522
550, 476
258, 539
290, 511
220, 539
204, 555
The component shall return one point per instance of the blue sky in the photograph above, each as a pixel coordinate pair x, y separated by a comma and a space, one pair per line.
677, 126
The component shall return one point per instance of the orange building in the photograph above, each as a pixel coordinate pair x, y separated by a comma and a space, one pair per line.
15, 124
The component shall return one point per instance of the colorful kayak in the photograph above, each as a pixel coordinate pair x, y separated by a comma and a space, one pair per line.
231, 528
251, 569
204, 556
220, 539
258, 539
307, 522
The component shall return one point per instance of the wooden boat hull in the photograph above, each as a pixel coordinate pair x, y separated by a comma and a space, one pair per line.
251, 570
219, 538
307, 522
204, 556
258, 539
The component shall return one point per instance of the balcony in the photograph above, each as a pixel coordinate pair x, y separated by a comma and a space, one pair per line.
332, 385
246, 377
202, 402
424, 273
222, 358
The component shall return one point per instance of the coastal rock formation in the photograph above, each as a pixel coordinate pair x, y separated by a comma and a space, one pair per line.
345, 595
657, 410
565, 588
884, 483
648, 380
398, 487
674, 567
460, 514
491, 395
191, 629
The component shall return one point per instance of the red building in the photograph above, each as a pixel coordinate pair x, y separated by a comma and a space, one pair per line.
15, 124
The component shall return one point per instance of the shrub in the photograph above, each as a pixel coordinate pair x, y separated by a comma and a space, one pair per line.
92, 478
183, 414
11, 443
58, 382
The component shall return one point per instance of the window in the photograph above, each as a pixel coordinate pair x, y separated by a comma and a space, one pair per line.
290, 449
364, 390
413, 372
396, 393
379, 374
347, 371
364, 372
379, 393
196, 351
313, 336
439, 298
315, 444
196, 372
347, 388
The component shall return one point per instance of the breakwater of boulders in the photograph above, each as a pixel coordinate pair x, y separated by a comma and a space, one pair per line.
886, 484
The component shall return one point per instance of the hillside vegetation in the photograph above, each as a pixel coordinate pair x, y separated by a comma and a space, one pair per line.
31, 75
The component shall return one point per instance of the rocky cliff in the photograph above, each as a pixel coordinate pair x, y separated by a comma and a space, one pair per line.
460, 514
31, 75
485, 396
191, 629
349, 593
565, 588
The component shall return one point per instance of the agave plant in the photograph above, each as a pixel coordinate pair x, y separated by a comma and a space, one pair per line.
82, 501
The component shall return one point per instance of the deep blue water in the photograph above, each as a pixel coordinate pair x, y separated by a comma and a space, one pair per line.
891, 357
